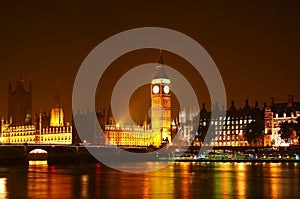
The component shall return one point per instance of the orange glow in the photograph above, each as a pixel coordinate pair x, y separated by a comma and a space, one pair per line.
185, 179
31, 135
241, 182
84, 186
128, 135
160, 181
274, 180
57, 117
224, 186
38, 151
3, 188
38, 162
42, 179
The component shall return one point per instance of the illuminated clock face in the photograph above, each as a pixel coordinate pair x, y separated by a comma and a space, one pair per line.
166, 89
155, 89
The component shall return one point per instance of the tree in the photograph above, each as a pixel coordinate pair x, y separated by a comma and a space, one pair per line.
287, 129
254, 131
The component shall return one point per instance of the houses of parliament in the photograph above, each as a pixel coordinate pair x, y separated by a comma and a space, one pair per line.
22, 126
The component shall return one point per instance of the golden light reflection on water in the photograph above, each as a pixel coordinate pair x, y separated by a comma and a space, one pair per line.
178, 180
160, 184
44, 180
3, 189
38, 162
223, 186
84, 186
274, 180
185, 179
241, 179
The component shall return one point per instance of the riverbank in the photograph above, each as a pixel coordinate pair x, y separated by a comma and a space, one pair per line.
237, 161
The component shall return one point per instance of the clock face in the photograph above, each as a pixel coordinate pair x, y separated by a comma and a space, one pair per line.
166, 89
155, 89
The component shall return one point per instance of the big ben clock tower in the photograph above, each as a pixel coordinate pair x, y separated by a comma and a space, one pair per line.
161, 105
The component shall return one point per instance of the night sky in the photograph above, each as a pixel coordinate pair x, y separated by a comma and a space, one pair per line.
255, 45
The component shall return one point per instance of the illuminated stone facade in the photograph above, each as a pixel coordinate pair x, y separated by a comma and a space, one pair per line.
161, 105
32, 135
57, 113
160, 130
228, 130
17, 134
56, 135
43, 131
275, 115
128, 135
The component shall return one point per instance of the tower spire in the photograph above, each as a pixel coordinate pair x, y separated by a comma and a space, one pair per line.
57, 89
21, 71
160, 72
57, 96
160, 97
20, 75
161, 61
57, 112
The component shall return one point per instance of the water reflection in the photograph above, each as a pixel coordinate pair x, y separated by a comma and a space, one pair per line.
178, 180
3, 191
47, 181
38, 162
160, 183
84, 186
185, 179
241, 170
274, 180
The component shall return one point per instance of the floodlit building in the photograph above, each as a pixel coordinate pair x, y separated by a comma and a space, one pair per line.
129, 135
228, 130
275, 115
44, 130
160, 130
32, 134
57, 113
161, 105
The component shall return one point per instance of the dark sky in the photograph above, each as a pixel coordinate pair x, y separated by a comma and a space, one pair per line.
255, 45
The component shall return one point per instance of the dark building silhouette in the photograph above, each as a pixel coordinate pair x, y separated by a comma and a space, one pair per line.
228, 130
288, 108
20, 102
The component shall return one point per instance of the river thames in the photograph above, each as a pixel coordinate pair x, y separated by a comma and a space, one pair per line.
178, 180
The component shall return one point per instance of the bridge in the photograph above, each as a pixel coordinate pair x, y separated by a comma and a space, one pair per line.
54, 154
78, 154
65, 154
